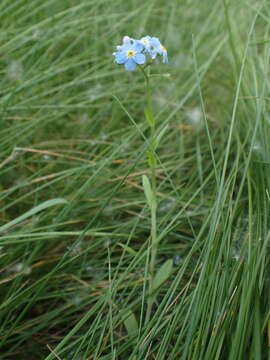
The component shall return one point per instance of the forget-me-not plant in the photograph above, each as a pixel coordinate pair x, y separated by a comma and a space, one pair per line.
154, 47
136, 52
130, 54
142, 53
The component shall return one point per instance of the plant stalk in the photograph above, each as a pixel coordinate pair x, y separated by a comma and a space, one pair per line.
152, 164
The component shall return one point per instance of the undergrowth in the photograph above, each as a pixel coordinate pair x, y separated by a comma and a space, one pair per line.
74, 223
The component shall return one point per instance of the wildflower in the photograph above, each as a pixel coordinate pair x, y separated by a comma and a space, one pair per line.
126, 40
154, 47
164, 53
146, 41
133, 52
130, 54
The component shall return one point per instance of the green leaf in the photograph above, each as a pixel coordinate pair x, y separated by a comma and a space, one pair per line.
149, 117
165, 76
163, 274
147, 190
128, 249
32, 212
152, 161
130, 323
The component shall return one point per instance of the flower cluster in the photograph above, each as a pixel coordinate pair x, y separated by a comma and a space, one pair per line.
133, 52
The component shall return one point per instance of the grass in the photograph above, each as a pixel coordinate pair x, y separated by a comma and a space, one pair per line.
74, 221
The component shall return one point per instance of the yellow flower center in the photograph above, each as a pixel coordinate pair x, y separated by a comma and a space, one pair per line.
146, 42
163, 48
130, 53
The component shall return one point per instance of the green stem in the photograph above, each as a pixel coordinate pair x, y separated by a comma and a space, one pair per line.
152, 164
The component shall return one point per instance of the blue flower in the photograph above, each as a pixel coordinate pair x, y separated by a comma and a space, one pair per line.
126, 40
163, 52
146, 41
133, 52
154, 47
130, 54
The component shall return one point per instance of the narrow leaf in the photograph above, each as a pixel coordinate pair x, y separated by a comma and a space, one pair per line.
128, 249
165, 76
149, 117
32, 212
151, 158
163, 274
147, 190
130, 323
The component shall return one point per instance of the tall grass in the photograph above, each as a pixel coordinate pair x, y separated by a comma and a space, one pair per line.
74, 223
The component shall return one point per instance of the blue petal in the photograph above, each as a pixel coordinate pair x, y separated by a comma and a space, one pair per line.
127, 46
126, 39
165, 57
147, 40
155, 42
138, 46
153, 53
120, 57
130, 65
140, 58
